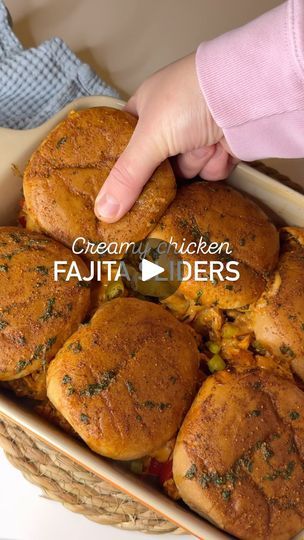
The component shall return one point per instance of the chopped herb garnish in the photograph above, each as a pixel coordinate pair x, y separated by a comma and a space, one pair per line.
242, 241
286, 350
37, 241
284, 473
153, 405
49, 311
266, 451
84, 418
198, 296
274, 436
183, 223
138, 418
168, 332
226, 494
84, 284
149, 404
191, 472
75, 347
218, 479
294, 415
42, 270
3, 268
70, 391
21, 365
107, 377
15, 237
205, 236
95, 388
164, 406
130, 387
225, 257
247, 463
258, 347
173, 379
66, 379
20, 340
204, 480
61, 142
37, 351
257, 385
229, 287
255, 412
50, 342
3, 325
231, 477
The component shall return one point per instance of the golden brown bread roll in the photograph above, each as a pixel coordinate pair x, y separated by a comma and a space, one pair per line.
48, 411
66, 172
239, 456
37, 314
278, 317
218, 213
125, 381
32, 386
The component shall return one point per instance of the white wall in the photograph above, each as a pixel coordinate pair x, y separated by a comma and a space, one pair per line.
128, 39
125, 40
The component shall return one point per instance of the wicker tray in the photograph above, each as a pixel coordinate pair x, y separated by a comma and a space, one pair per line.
78, 490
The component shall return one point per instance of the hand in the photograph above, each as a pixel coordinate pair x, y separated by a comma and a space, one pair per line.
173, 120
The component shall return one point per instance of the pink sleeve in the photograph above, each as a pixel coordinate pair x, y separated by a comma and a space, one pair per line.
253, 81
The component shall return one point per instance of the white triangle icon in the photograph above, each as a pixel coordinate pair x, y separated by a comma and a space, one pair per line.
150, 270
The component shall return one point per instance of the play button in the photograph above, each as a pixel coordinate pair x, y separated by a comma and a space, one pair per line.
149, 270
153, 269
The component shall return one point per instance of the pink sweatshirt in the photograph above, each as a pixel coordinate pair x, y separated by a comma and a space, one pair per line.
253, 81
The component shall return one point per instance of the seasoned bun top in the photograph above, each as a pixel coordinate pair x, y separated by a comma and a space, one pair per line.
278, 317
239, 455
125, 380
37, 314
66, 172
218, 213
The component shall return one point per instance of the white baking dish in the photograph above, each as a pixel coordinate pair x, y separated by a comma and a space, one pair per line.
15, 149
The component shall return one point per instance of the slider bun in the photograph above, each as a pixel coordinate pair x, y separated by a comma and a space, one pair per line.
66, 172
32, 386
37, 314
218, 213
125, 381
278, 317
48, 411
239, 455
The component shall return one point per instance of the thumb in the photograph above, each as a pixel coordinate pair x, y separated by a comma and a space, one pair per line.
129, 175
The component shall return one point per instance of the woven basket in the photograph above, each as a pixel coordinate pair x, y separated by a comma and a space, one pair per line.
77, 489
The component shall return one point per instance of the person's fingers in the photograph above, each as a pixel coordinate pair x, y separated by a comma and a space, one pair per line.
219, 165
128, 177
191, 163
131, 107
